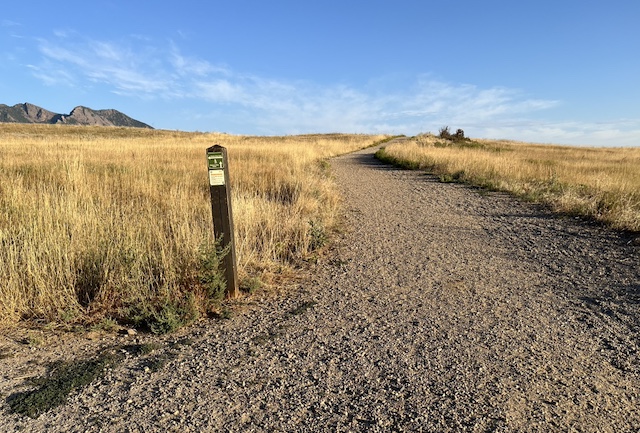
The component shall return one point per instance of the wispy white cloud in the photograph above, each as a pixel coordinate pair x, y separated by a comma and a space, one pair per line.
440, 102
63, 33
186, 66
138, 68
9, 23
12, 28
121, 68
52, 75
222, 91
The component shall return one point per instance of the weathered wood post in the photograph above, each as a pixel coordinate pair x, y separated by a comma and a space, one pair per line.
222, 216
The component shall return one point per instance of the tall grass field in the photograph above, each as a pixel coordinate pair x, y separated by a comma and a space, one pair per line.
103, 224
598, 183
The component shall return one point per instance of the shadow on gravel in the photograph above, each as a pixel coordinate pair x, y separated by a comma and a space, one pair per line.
626, 293
371, 161
634, 292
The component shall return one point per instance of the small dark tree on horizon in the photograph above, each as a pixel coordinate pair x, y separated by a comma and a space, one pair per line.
446, 134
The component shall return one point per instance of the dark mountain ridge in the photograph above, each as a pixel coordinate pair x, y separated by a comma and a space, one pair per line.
29, 113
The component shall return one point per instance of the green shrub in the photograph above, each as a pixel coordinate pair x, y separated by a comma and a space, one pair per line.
317, 235
209, 272
163, 317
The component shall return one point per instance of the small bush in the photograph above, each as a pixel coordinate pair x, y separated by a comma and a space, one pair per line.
251, 285
163, 317
210, 274
445, 133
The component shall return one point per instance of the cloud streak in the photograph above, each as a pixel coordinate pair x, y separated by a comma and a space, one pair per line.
122, 69
9, 23
136, 68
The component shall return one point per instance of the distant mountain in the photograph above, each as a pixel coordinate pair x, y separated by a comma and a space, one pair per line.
29, 113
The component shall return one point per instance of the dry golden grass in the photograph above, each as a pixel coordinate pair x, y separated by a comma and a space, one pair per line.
599, 183
115, 223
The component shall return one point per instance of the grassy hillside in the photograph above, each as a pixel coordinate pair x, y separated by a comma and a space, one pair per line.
114, 224
599, 183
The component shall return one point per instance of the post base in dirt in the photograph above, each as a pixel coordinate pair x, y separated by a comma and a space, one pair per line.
222, 216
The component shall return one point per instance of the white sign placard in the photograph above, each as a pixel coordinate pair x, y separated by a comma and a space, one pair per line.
216, 177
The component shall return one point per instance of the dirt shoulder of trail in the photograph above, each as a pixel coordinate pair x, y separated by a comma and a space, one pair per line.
439, 308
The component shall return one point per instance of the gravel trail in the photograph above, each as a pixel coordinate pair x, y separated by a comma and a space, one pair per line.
440, 308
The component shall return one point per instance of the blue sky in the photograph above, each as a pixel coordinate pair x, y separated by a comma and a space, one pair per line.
562, 71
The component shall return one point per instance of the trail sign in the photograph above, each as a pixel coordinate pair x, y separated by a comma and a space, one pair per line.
221, 212
215, 161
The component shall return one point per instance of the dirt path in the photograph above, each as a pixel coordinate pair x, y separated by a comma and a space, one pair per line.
441, 309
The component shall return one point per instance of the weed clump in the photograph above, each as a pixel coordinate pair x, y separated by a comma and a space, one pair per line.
163, 317
251, 285
317, 235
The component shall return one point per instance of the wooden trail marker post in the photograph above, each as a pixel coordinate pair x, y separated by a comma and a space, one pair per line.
221, 212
